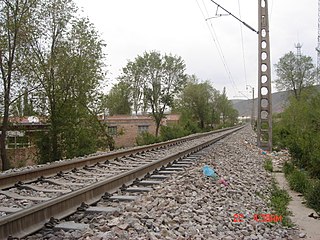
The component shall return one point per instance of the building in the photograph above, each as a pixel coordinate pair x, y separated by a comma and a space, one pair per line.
20, 139
124, 129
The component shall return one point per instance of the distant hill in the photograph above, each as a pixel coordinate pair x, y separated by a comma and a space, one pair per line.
244, 107
279, 102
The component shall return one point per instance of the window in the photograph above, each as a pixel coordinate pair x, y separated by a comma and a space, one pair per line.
112, 130
143, 128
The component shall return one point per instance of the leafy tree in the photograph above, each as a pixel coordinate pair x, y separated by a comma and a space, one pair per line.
14, 29
165, 79
294, 73
66, 59
48, 54
195, 101
118, 100
201, 103
299, 131
160, 79
227, 113
134, 76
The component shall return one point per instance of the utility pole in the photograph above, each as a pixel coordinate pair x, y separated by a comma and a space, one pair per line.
264, 121
252, 110
264, 124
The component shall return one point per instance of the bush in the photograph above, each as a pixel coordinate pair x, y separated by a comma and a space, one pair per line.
191, 127
298, 181
279, 202
268, 165
146, 138
298, 130
288, 168
172, 132
312, 196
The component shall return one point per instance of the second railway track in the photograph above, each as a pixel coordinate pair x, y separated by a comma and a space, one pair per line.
56, 191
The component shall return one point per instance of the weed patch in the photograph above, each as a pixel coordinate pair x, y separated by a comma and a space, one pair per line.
268, 165
279, 203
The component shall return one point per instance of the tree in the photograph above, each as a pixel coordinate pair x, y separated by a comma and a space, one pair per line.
118, 100
14, 28
227, 113
298, 130
195, 101
154, 81
134, 76
165, 79
295, 73
66, 59
201, 103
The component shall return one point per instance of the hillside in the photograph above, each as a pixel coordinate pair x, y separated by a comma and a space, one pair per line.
244, 107
279, 101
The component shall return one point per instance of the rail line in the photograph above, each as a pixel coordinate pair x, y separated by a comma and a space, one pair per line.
99, 176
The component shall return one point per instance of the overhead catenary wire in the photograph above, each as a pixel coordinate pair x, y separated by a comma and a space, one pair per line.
218, 46
243, 50
244, 23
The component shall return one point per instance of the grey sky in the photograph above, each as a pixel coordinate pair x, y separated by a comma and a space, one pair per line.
130, 27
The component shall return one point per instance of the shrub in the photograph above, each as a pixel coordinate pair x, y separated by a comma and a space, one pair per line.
268, 165
312, 196
279, 202
298, 181
298, 130
288, 168
172, 132
146, 138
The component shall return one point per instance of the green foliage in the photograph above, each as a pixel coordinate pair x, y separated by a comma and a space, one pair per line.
298, 181
299, 131
190, 126
268, 165
312, 196
118, 101
146, 138
288, 168
172, 132
155, 80
279, 202
201, 103
44, 146
295, 73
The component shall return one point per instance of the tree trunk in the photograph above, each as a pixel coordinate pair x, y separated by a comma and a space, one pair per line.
5, 123
56, 154
158, 122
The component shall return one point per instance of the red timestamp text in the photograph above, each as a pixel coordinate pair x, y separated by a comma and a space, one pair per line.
262, 217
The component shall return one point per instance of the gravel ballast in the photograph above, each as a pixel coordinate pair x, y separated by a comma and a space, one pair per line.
190, 205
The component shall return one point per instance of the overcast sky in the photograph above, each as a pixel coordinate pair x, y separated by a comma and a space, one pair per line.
213, 50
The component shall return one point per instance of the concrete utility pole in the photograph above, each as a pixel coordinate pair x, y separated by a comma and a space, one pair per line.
264, 124
264, 121
252, 107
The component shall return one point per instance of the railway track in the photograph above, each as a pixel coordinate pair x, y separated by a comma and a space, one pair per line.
31, 198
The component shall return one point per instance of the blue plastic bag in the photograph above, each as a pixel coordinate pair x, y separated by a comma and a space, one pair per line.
209, 172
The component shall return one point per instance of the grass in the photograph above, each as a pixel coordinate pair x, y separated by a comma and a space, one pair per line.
279, 203
312, 196
299, 181
268, 165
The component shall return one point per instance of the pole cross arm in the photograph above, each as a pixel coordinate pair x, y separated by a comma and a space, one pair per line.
244, 23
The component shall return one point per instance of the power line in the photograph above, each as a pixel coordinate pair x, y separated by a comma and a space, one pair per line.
218, 46
244, 23
242, 44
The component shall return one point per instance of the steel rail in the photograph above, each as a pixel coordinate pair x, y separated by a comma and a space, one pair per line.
8, 180
32, 219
